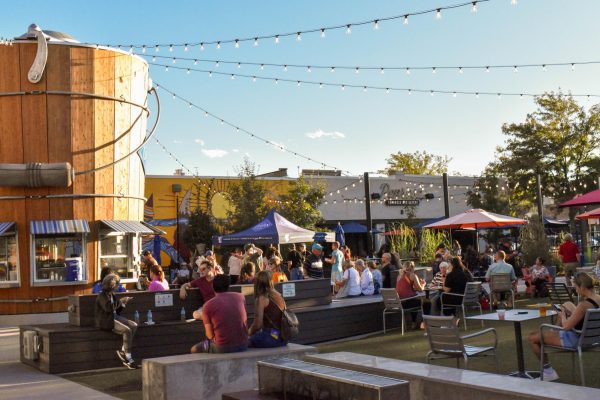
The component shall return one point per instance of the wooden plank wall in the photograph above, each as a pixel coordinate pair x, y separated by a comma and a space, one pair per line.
81, 131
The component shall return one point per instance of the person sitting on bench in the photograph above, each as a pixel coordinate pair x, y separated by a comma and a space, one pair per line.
268, 311
224, 318
107, 314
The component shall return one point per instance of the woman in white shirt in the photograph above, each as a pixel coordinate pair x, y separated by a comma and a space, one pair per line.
349, 286
367, 286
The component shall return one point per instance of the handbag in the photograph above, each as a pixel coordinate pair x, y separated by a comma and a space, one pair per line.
484, 302
290, 326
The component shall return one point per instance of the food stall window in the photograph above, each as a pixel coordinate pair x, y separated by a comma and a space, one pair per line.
9, 255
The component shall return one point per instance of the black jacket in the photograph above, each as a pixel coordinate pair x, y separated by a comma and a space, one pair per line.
105, 309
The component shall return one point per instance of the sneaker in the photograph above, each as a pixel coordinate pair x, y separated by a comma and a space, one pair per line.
130, 364
122, 356
550, 374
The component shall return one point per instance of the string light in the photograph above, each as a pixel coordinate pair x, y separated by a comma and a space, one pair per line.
276, 39
407, 69
474, 8
255, 42
185, 48
218, 45
322, 32
237, 43
298, 36
349, 29
438, 13
406, 19
376, 24
361, 86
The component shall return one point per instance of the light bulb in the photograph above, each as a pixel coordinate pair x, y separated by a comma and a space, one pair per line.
387, 90
382, 71
174, 60
232, 76
544, 67
573, 67
406, 19
201, 46
431, 92
190, 105
206, 113
195, 62
320, 86
153, 58
276, 39
166, 69
285, 68
237, 43
376, 24
343, 87
218, 45
210, 74
188, 71
143, 48
185, 48
254, 79
454, 94
409, 91
499, 96
513, 2
255, 42
364, 88
348, 29
217, 64
356, 70
516, 69
156, 49
262, 66
332, 69
476, 95
298, 36
174, 96
239, 65
298, 84
474, 8
438, 13
170, 48
487, 69
308, 69
433, 70
277, 81
322, 32
460, 70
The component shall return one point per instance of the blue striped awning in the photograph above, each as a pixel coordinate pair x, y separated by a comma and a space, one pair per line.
5, 226
128, 226
54, 227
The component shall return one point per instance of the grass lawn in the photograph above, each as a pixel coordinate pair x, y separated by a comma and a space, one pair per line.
413, 346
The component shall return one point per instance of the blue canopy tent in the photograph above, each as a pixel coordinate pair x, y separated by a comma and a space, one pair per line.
273, 229
355, 227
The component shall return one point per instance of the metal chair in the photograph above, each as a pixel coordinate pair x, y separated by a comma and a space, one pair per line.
501, 283
589, 340
469, 300
393, 304
559, 293
445, 341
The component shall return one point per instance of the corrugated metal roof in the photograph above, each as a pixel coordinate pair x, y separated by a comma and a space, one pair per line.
5, 226
53, 227
128, 226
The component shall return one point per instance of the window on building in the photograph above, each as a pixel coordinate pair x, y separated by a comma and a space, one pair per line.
9, 255
59, 252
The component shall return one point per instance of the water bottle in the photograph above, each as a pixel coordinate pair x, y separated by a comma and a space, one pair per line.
136, 317
183, 318
149, 316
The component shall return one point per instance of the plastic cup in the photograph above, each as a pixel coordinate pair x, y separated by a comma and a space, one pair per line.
542, 308
501, 314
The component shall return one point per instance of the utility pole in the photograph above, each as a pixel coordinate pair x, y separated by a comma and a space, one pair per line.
446, 196
368, 215
540, 199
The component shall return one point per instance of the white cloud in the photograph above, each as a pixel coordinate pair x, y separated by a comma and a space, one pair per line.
235, 150
319, 133
177, 141
199, 141
214, 153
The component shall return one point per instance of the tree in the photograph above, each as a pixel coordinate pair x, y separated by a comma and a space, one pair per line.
301, 204
248, 205
491, 193
559, 141
200, 229
417, 163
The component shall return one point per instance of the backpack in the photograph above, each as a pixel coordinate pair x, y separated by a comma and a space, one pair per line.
290, 326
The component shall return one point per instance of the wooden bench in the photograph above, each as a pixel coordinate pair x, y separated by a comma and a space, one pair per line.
208, 376
284, 376
436, 382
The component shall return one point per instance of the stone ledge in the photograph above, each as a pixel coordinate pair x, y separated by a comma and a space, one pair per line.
432, 382
208, 376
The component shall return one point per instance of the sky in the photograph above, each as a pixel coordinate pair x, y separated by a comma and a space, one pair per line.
352, 129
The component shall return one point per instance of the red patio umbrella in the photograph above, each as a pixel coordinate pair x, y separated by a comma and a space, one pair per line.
594, 214
476, 218
592, 197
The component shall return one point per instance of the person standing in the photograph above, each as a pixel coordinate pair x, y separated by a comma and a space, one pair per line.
107, 315
253, 254
235, 265
268, 307
313, 266
386, 270
336, 260
295, 261
224, 318
569, 253
204, 283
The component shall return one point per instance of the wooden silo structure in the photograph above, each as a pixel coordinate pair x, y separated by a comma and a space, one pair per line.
84, 108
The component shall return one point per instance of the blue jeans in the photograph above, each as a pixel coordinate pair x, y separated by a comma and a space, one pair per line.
266, 337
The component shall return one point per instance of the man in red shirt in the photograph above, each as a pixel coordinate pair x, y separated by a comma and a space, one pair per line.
569, 253
224, 319
204, 283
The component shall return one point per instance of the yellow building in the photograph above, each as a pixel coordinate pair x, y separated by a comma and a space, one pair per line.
168, 193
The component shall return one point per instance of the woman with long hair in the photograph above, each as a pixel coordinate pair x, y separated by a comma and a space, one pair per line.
274, 268
408, 285
570, 318
157, 276
268, 311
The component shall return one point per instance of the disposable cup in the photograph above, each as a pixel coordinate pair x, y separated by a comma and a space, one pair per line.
542, 308
501, 314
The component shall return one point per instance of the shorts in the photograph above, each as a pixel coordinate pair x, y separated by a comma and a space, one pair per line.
569, 339
336, 275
